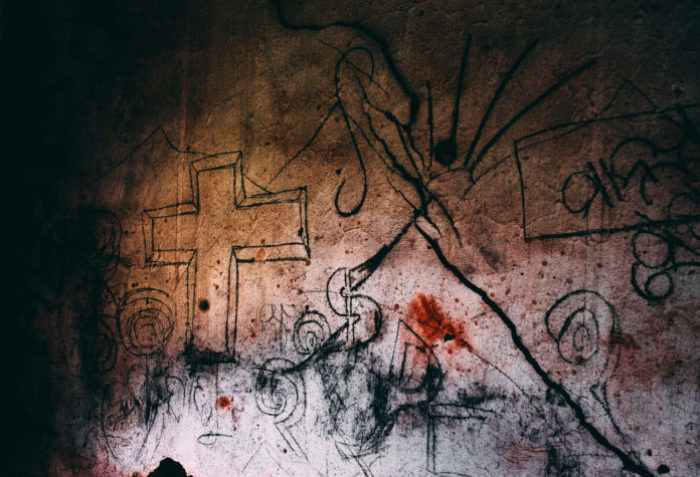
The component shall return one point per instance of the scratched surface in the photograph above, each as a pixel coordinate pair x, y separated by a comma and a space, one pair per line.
357, 239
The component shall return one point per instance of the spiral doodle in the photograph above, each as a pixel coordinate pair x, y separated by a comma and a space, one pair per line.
278, 391
99, 347
311, 330
574, 323
145, 321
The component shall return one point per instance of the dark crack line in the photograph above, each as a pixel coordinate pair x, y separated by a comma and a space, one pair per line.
628, 463
383, 47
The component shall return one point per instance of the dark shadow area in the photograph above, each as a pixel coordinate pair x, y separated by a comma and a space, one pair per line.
169, 468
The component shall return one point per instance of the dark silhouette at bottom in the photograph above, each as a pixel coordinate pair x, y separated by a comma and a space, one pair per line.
169, 468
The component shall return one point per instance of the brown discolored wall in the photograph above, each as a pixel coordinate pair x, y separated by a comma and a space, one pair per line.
371, 238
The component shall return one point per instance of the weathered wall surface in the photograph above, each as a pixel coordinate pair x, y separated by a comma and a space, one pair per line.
371, 238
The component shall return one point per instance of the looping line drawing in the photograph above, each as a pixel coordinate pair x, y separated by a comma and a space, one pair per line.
280, 392
363, 313
660, 252
99, 347
577, 323
311, 330
146, 319
104, 232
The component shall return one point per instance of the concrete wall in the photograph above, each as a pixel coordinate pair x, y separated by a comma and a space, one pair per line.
354, 238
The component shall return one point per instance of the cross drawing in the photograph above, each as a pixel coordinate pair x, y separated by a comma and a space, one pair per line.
222, 227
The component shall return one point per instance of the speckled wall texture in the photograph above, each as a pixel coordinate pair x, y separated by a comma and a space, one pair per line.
360, 238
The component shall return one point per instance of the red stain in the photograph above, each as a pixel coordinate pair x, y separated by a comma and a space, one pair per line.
624, 340
223, 403
308, 262
520, 456
462, 369
234, 415
254, 330
434, 326
649, 357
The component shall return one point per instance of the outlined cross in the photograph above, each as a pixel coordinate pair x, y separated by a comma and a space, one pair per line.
222, 227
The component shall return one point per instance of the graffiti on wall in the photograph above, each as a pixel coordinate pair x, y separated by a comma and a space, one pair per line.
351, 314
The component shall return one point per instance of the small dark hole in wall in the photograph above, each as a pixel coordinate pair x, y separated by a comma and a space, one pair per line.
204, 304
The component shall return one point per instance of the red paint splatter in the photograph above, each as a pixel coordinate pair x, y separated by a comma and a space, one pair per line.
396, 306
223, 403
435, 326
308, 262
